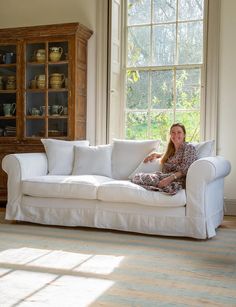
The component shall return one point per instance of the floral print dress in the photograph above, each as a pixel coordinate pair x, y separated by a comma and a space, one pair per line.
180, 161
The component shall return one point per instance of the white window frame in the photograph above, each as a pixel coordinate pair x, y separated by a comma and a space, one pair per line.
209, 107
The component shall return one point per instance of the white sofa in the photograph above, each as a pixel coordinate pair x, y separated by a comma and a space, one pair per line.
89, 186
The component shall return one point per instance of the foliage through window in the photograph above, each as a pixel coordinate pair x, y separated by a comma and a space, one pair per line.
164, 67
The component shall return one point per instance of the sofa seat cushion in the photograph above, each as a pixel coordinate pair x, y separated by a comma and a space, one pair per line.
127, 192
83, 186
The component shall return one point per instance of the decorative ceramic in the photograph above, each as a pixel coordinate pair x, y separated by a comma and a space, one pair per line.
33, 84
65, 111
43, 110
9, 58
9, 109
35, 112
55, 53
57, 109
40, 55
56, 80
40, 81
11, 83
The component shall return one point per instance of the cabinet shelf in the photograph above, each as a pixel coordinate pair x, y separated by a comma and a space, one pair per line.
58, 116
54, 117
34, 117
7, 65
7, 117
62, 89
45, 63
39, 90
8, 91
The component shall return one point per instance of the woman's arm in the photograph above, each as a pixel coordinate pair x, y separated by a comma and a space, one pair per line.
166, 181
152, 156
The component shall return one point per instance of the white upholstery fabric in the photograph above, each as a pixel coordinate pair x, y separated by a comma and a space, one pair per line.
126, 191
18, 167
204, 149
148, 167
92, 160
128, 154
199, 218
84, 186
116, 207
94, 213
60, 155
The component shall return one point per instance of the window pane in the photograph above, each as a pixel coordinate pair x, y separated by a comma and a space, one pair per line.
164, 11
138, 46
139, 12
190, 37
163, 45
188, 88
191, 9
164, 65
162, 89
160, 126
136, 125
137, 90
191, 121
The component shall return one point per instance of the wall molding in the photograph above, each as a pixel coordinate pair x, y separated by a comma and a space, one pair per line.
101, 84
212, 71
230, 207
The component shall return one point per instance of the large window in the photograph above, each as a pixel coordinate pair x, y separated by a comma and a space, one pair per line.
164, 67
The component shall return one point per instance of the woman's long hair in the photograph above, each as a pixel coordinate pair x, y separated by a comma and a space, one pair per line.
171, 147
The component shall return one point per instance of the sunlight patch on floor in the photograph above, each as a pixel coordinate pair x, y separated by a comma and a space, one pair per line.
29, 288
63, 260
52, 277
101, 264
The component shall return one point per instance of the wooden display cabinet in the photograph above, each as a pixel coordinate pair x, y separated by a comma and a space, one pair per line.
43, 85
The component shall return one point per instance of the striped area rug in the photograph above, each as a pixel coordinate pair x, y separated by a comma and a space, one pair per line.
56, 266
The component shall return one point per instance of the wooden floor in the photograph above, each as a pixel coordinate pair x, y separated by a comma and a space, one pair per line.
229, 222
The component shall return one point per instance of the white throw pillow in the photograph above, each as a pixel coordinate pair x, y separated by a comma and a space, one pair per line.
148, 167
128, 154
92, 160
60, 155
204, 149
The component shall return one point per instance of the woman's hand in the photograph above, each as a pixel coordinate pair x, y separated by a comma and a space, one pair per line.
164, 182
152, 157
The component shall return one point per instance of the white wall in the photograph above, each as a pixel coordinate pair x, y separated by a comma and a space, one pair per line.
227, 95
15, 13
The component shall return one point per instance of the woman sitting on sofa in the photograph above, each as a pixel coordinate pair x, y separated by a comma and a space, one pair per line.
175, 162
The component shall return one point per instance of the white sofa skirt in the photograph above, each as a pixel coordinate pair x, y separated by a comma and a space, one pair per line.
166, 221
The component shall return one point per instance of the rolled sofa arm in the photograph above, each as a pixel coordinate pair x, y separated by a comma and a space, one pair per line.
205, 186
18, 167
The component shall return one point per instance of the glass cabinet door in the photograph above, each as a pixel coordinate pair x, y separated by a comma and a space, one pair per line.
46, 89
8, 90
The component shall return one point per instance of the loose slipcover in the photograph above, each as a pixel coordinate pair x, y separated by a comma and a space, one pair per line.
60, 155
84, 187
200, 217
204, 149
127, 155
92, 160
126, 191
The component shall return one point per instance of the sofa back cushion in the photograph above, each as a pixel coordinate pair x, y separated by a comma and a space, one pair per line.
60, 155
128, 154
92, 160
148, 167
204, 149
